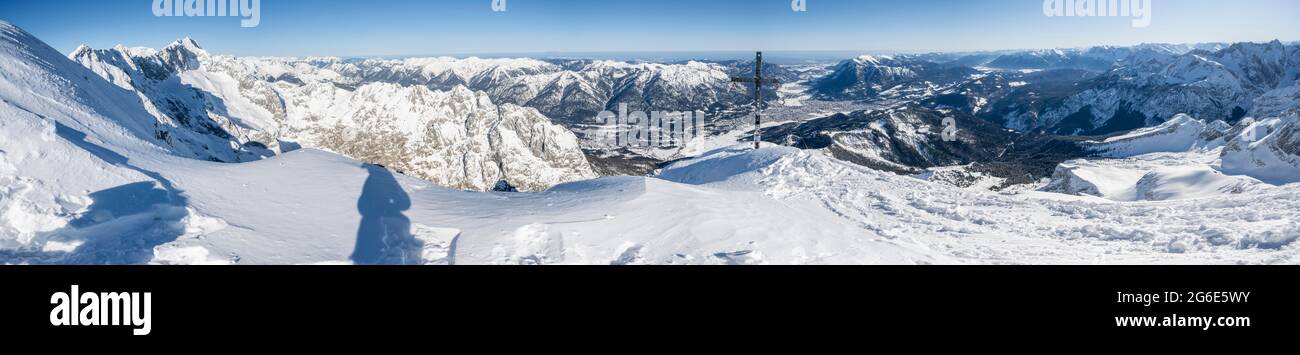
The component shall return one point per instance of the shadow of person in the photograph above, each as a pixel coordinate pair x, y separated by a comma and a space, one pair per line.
384, 237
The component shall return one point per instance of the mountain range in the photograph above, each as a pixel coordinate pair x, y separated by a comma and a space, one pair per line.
178, 156
456, 137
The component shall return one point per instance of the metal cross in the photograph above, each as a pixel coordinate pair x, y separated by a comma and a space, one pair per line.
758, 82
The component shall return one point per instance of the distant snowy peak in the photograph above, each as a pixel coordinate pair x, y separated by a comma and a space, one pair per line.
867, 59
570, 92
470, 68
186, 44
869, 76
1099, 58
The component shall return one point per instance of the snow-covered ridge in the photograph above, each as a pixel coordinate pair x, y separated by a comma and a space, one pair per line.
1187, 158
1181, 133
870, 76
571, 93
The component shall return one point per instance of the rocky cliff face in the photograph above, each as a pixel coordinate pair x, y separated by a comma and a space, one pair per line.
257, 107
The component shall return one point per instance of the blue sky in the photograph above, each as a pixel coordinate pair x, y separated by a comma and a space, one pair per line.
426, 27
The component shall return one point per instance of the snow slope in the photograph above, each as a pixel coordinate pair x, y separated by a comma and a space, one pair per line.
1150, 177
732, 206
1030, 227
622, 220
310, 206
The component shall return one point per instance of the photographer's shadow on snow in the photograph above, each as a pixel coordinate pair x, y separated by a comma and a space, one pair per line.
384, 237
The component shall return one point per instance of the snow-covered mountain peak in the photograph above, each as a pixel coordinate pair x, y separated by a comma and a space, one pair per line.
868, 76
468, 68
188, 43
867, 59
184, 53
81, 50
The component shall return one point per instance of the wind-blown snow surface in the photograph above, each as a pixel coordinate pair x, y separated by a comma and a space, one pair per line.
310, 206
1031, 227
733, 206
